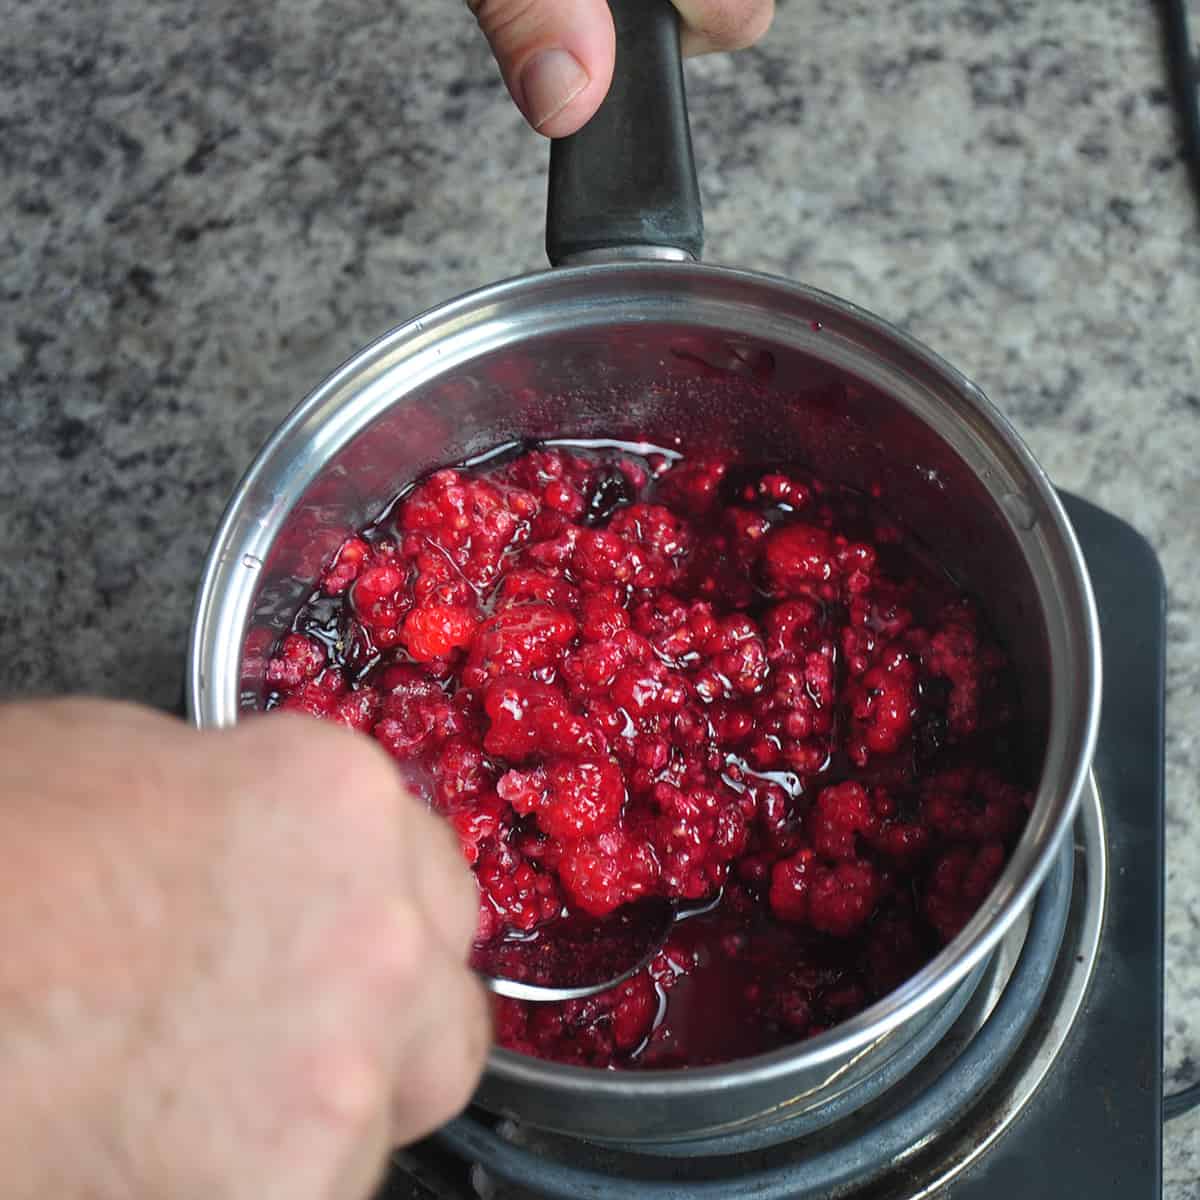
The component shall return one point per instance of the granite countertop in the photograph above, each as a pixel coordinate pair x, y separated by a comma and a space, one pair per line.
208, 205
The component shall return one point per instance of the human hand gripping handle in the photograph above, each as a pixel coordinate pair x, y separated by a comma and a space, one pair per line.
234, 962
556, 56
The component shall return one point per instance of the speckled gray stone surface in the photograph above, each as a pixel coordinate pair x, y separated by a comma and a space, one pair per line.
207, 205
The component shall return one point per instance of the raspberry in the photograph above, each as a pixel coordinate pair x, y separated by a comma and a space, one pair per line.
794, 716
952, 655
358, 710
570, 800
793, 628
656, 528
534, 585
669, 966
317, 697
674, 629
776, 818
603, 614
602, 873
544, 471
958, 884
843, 897
524, 790
839, 816
521, 896
585, 798
973, 806
956, 654
791, 885
434, 631
737, 660
799, 559
643, 545
474, 522
793, 1010
562, 497
555, 543
614, 684
594, 666
859, 644
649, 689
580, 1034
487, 927
695, 834
887, 614
883, 707
905, 843
782, 490
693, 487
836, 900
299, 659
345, 567
479, 823
634, 1012
460, 772
438, 580
528, 719
415, 714
805, 560
518, 641
600, 556
376, 584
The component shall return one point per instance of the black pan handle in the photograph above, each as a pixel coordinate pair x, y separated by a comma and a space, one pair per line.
625, 186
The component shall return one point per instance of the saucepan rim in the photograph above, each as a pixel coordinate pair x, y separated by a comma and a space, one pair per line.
1072, 734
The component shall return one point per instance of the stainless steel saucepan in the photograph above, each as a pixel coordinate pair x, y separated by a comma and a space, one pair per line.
630, 338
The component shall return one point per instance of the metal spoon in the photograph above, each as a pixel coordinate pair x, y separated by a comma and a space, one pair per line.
579, 956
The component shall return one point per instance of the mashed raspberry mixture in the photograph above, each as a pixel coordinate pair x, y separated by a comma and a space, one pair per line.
619, 673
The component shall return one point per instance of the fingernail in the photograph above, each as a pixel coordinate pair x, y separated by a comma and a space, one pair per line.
550, 81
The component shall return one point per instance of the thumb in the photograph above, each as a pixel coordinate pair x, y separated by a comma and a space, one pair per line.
556, 57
